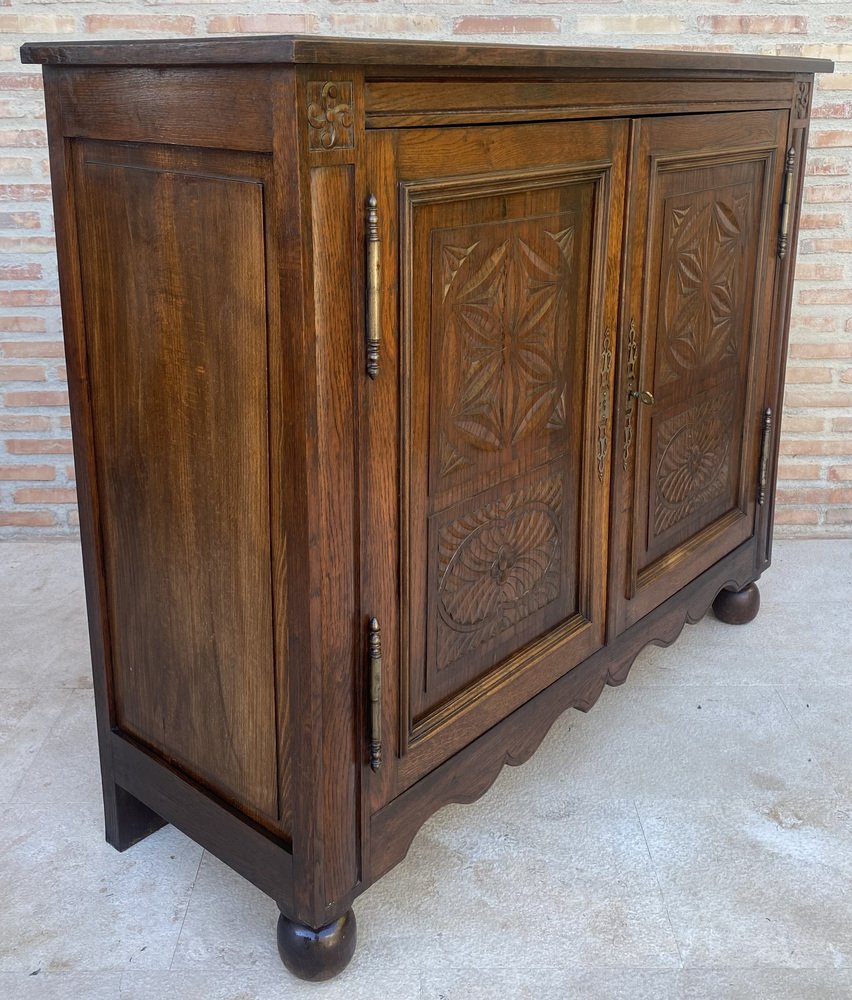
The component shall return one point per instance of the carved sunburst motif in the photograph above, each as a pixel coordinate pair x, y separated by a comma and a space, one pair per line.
703, 283
693, 461
498, 565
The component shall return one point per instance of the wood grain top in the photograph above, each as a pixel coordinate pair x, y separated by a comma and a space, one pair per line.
378, 52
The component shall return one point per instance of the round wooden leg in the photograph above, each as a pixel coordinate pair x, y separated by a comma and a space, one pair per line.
737, 607
317, 954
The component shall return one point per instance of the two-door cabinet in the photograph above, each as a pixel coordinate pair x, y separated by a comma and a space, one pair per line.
415, 388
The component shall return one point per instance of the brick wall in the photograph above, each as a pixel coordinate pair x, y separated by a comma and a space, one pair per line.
36, 470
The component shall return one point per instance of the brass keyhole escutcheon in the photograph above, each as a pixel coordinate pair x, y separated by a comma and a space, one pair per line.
644, 396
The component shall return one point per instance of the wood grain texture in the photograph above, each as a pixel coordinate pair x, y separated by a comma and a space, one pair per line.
698, 292
391, 52
177, 335
516, 522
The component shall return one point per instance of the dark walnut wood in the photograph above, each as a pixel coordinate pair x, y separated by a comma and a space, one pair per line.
317, 954
737, 607
415, 388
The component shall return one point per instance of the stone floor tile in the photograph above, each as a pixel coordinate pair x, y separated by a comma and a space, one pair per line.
696, 742
65, 769
765, 984
229, 923
357, 982
823, 714
809, 573
44, 645
37, 985
72, 903
484, 885
26, 719
46, 572
755, 884
556, 981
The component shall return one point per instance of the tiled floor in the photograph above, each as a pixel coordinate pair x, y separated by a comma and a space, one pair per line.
691, 837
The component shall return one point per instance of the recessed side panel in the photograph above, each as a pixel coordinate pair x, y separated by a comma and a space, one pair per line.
172, 244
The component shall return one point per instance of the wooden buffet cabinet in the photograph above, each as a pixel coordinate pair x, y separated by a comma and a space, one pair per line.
415, 388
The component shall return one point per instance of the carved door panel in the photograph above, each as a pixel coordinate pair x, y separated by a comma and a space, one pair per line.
700, 266
507, 263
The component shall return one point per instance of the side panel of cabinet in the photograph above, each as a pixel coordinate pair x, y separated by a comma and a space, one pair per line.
508, 244
175, 290
695, 330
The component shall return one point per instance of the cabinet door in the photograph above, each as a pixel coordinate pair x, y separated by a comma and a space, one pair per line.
503, 245
695, 323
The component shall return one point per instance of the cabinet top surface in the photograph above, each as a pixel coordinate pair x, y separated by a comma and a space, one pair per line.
261, 49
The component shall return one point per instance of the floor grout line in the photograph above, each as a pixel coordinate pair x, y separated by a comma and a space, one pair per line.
659, 884
186, 911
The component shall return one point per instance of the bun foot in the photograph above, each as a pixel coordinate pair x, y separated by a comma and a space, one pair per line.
737, 607
317, 954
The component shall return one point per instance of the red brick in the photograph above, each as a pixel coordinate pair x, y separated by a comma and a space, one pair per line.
791, 446
808, 495
20, 272
834, 137
23, 23
65, 422
27, 518
27, 244
23, 422
20, 324
47, 494
39, 446
385, 24
29, 297
827, 167
832, 109
840, 473
505, 25
807, 376
787, 470
817, 398
846, 377
795, 423
74, 517
826, 246
839, 350
813, 323
731, 24
70, 472
821, 220
839, 515
22, 373
262, 23
796, 515
827, 194
20, 81
843, 425
32, 349
23, 473
838, 22
24, 192
44, 398
824, 272
19, 220
826, 296
23, 137
179, 24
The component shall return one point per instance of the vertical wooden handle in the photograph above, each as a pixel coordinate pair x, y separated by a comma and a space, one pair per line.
374, 338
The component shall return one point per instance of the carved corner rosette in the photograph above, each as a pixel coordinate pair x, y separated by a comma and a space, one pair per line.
331, 123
